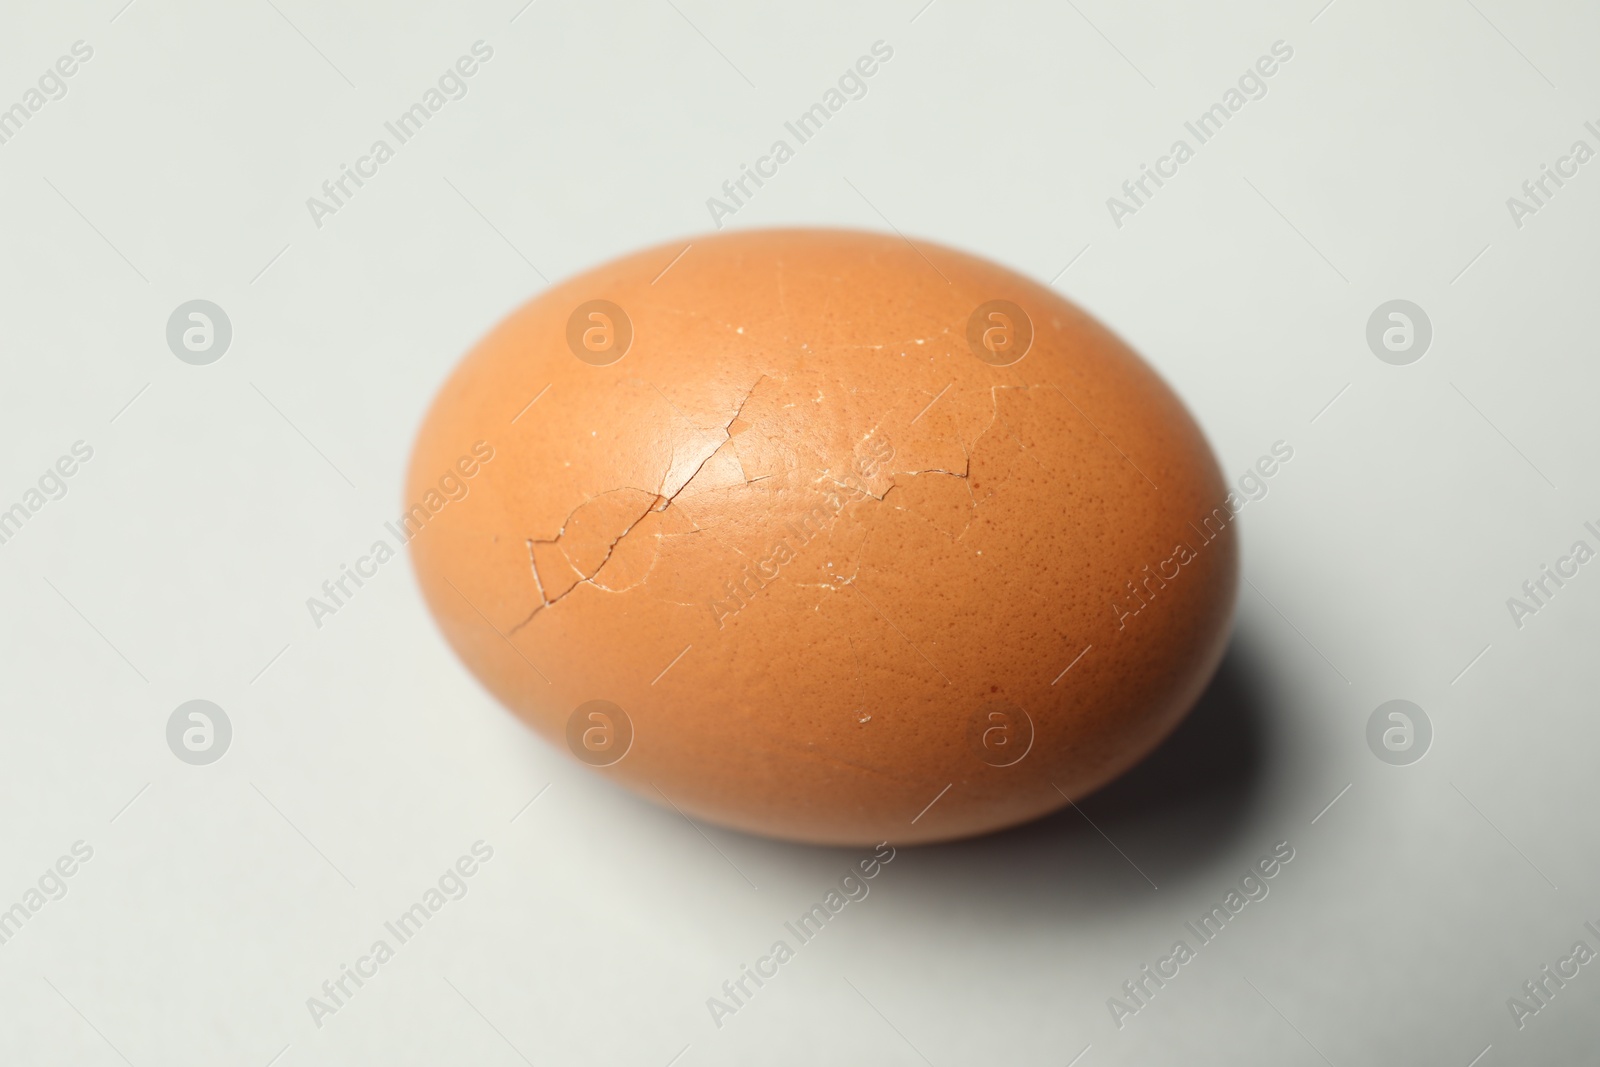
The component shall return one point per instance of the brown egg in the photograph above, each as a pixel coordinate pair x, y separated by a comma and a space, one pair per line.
824, 535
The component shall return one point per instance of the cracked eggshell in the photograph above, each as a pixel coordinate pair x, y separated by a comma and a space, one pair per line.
829, 565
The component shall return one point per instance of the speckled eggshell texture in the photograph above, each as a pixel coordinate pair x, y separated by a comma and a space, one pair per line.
823, 535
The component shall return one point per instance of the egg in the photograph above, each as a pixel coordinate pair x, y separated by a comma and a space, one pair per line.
825, 535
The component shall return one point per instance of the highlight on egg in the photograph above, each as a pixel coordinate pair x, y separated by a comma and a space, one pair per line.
827, 536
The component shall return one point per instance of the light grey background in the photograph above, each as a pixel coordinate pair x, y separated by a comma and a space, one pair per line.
365, 760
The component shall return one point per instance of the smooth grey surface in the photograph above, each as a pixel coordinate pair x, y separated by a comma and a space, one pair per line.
365, 763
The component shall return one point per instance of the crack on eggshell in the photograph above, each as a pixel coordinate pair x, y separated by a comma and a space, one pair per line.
966, 513
660, 500
740, 409
581, 574
967, 475
563, 573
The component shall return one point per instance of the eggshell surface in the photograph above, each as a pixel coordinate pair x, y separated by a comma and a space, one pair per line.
824, 535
